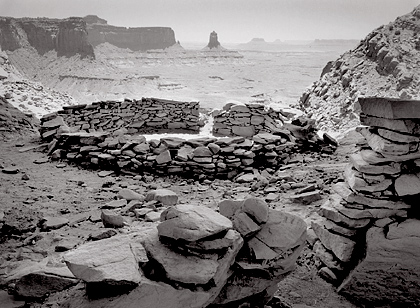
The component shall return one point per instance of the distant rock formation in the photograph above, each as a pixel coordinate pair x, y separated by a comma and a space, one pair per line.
67, 37
385, 63
136, 39
213, 41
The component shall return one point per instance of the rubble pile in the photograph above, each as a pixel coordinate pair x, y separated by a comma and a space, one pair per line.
138, 116
194, 257
369, 229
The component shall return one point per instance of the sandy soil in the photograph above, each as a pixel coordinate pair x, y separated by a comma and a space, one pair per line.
56, 189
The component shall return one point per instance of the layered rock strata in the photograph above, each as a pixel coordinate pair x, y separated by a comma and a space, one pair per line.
136, 39
195, 257
369, 227
137, 116
67, 37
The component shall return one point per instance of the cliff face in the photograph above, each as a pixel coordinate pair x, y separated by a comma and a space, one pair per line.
66, 36
385, 63
142, 38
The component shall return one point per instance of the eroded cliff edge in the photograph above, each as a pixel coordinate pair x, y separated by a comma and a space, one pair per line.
138, 38
67, 37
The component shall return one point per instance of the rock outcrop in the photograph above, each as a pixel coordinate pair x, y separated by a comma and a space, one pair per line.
195, 257
383, 64
136, 39
369, 230
67, 37
213, 41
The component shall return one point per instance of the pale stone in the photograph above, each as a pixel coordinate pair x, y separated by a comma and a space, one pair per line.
202, 152
331, 226
164, 196
115, 204
407, 228
373, 157
287, 228
164, 157
390, 272
215, 244
341, 246
390, 108
54, 223
129, 195
110, 260
192, 222
260, 250
256, 208
407, 184
362, 166
246, 178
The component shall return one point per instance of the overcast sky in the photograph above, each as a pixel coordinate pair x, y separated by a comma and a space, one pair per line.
235, 21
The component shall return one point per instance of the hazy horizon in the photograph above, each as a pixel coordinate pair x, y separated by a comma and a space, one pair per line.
235, 21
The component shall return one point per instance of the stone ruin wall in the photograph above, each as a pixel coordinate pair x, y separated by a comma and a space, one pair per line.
368, 232
246, 120
106, 135
137, 116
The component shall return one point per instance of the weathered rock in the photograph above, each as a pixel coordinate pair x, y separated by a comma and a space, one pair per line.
409, 126
129, 194
256, 208
112, 261
326, 257
362, 166
306, 197
115, 204
112, 220
39, 284
50, 223
390, 273
342, 247
229, 207
165, 196
384, 146
244, 224
407, 184
192, 222
390, 108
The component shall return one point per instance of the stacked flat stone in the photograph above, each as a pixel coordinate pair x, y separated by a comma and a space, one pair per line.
273, 240
246, 120
138, 116
210, 157
381, 183
195, 257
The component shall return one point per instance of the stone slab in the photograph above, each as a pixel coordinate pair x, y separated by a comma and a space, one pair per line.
390, 108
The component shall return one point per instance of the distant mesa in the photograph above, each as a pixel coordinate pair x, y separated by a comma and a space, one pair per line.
213, 42
135, 39
77, 35
257, 40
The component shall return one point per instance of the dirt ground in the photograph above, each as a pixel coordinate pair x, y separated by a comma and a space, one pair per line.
42, 189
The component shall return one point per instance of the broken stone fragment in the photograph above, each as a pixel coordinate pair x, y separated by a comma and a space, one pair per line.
165, 196
112, 220
390, 271
256, 208
306, 197
407, 184
129, 195
192, 222
185, 269
390, 108
362, 166
341, 246
244, 224
112, 261
39, 284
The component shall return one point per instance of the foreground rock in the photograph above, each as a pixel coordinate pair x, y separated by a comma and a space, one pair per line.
376, 205
194, 258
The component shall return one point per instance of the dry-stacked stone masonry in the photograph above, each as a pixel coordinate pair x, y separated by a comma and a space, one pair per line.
137, 116
370, 227
106, 136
